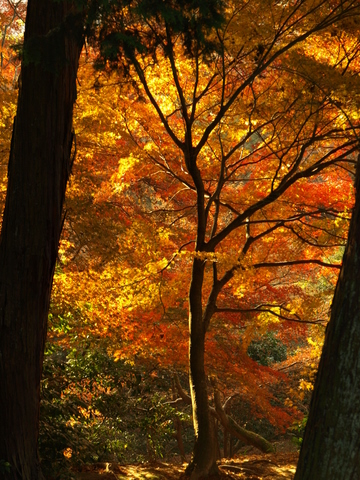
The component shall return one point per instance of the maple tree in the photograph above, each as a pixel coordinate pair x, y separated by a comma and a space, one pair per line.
245, 143
33, 217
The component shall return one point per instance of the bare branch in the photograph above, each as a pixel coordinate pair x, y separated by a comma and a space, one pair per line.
268, 310
164, 121
297, 262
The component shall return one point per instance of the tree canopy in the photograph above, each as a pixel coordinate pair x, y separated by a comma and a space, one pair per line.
215, 152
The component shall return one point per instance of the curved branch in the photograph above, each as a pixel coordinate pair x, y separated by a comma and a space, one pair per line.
268, 310
241, 433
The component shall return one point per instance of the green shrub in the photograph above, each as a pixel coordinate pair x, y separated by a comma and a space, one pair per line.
95, 409
267, 350
297, 430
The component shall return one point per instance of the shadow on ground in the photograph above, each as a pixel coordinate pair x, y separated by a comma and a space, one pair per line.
277, 466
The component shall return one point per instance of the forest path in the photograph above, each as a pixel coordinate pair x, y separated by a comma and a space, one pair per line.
275, 466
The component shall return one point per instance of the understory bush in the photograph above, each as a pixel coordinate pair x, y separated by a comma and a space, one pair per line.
267, 350
94, 409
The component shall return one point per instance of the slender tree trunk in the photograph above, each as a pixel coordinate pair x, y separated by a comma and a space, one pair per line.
38, 172
331, 445
177, 423
203, 463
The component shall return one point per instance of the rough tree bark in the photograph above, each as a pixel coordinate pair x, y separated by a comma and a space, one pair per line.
331, 445
39, 167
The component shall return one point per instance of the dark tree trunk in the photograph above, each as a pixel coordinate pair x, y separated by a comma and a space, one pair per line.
38, 172
331, 445
203, 463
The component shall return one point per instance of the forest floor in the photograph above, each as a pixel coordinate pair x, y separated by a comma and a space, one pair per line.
250, 466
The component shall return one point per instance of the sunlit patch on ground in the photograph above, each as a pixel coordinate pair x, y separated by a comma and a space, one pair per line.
279, 466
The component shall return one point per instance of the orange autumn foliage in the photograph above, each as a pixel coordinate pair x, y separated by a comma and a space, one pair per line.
139, 204
128, 242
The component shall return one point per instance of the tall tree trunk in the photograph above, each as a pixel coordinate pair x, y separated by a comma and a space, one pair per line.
203, 463
38, 172
331, 445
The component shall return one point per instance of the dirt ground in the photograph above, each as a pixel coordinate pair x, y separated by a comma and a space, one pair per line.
276, 466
